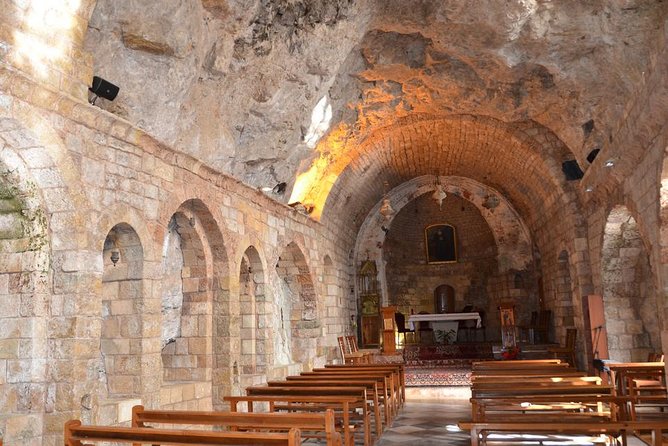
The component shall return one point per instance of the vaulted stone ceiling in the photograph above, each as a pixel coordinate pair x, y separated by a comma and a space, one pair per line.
501, 92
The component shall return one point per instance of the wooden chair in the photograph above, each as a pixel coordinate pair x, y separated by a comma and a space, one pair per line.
347, 355
649, 389
566, 352
400, 320
542, 328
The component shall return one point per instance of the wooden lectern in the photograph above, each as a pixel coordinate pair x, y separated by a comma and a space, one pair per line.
389, 328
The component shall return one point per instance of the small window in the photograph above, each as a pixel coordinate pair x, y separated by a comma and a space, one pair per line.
441, 243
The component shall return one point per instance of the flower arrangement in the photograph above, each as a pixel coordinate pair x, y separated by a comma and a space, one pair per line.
510, 353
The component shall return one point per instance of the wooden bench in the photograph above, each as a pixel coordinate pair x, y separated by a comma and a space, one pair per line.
343, 406
306, 422
509, 374
370, 384
76, 433
309, 393
394, 375
480, 431
388, 395
538, 388
397, 369
522, 408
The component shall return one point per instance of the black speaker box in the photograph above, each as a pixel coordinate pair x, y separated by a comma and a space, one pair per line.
103, 89
572, 170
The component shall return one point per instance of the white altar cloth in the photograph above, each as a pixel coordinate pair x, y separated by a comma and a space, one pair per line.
445, 319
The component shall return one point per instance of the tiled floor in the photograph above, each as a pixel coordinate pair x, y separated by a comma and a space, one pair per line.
429, 423
430, 417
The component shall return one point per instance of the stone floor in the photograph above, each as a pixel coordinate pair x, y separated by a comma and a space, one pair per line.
429, 423
430, 418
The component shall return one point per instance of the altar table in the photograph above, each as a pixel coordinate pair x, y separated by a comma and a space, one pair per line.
444, 321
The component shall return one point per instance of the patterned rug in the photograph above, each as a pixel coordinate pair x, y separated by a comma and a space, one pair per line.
442, 365
436, 377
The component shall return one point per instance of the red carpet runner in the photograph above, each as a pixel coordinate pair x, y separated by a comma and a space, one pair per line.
443, 365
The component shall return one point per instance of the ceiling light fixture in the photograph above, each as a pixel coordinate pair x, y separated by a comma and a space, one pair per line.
609, 163
439, 194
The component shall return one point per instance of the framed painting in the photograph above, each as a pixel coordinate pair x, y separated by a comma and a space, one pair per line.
440, 243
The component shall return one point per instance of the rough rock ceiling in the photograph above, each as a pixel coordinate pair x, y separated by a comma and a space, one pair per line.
235, 82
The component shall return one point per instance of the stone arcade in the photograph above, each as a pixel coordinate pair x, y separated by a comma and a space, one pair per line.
147, 249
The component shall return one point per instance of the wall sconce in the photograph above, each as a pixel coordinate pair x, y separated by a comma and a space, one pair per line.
192, 219
115, 255
610, 163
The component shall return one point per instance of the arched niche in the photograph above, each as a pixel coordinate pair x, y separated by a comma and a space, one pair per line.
254, 312
195, 281
298, 306
629, 296
122, 332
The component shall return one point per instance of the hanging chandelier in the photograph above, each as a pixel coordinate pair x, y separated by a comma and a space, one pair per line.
439, 194
386, 209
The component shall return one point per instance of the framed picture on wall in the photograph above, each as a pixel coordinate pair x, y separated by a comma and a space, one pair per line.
441, 243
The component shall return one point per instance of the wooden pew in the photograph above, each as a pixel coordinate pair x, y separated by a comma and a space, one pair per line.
75, 433
510, 374
540, 408
514, 379
343, 406
306, 393
398, 369
395, 374
480, 431
386, 382
528, 389
370, 384
306, 422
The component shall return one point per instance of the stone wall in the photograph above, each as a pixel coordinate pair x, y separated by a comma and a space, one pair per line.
93, 181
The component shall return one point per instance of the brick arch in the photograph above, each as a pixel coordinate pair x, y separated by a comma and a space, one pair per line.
301, 302
48, 260
25, 255
255, 310
511, 236
122, 332
629, 296
195, 281
522, 161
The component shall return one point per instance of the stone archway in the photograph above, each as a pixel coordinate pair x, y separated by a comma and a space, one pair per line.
628, 292
254, 313
122, 331
24, 302
300, 301
195, 280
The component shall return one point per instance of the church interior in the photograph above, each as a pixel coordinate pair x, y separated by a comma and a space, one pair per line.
198, 197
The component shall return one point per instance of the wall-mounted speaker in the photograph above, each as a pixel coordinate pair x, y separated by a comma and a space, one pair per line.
103, 89
572, 170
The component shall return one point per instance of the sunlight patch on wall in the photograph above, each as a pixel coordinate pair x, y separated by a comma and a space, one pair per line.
46, 38
312, 187
320, 119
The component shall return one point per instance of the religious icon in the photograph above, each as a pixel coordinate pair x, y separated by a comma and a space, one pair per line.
441, 243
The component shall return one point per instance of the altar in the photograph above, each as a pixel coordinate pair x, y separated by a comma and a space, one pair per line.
444, 321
